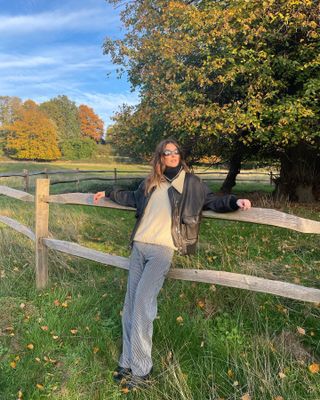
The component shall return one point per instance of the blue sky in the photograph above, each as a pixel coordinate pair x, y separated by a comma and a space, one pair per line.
54, 47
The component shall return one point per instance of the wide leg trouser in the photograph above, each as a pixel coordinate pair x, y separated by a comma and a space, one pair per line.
148, 267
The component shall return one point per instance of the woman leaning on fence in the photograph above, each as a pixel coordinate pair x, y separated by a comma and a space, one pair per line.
169, 203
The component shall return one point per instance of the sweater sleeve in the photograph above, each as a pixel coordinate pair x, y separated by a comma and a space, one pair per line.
217, 203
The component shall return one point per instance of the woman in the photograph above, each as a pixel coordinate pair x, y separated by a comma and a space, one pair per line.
169, 203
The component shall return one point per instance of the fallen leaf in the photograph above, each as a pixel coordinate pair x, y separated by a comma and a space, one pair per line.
44, 328
301, 330
282, 375
201, 303
13, 364
74, 331
55, 337
65, 304
314, 368
20, 395
30, 346
230, 373
22, 306
278, 398
37, 359
96, 350
56, 303
39, 386
179, 320
246, 397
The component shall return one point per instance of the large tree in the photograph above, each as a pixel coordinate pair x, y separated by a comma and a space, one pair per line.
32, 135
64, 112
91, 124
231, 77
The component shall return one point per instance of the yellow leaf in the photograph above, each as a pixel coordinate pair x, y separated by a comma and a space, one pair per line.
179, 320
200, 303
74, 331
13, 364
37, 359
230, 373
314, 368
282, 375
246, 397
65, 305
301, 330
55, 337
20, 394
39, 386
22, 306
30, 346
95, 350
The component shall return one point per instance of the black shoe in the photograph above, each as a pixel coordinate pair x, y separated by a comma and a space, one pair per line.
120, 373
136, 382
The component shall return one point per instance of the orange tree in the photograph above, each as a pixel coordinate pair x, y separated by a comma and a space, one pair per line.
32, 136
233, 78
90, 124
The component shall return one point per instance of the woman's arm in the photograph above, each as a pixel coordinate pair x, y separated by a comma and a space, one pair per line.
224, 203
127, 198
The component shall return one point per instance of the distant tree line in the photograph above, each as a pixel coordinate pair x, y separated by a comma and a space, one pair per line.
56, 128
237, 79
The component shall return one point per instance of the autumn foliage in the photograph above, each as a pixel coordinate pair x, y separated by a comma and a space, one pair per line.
32, 136
91, 124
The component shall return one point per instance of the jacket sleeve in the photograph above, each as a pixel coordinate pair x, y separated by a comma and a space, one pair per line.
129, 198
217, 203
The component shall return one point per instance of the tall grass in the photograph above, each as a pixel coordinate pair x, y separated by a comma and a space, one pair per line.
210, 342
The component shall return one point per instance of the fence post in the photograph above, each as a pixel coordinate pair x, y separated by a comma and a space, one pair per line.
42, 221
115, 175
78, 181
271, 178
26, 180
46, 173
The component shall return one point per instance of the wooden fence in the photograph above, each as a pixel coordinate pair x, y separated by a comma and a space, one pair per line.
43, 243
118, 175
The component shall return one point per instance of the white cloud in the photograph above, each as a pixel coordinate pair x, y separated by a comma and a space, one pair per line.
92, 19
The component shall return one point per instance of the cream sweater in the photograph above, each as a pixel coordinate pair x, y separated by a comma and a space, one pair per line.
155, 227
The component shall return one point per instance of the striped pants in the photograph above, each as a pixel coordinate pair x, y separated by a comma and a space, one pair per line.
149, 265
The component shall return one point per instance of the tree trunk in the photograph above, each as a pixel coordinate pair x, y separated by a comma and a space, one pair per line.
299, 175
234, 170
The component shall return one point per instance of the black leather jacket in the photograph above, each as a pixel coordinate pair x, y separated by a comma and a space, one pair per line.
186, 209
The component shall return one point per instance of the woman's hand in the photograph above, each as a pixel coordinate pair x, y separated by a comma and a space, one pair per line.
98, 196
244, 204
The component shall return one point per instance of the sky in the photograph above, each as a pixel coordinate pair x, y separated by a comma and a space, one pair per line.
54, 47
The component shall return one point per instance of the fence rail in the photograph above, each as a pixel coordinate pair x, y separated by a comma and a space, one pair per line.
43, 243
114, 175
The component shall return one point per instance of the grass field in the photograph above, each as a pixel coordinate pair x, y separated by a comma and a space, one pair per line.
210, 342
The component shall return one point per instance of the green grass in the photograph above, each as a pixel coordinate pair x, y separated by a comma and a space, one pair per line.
229, 342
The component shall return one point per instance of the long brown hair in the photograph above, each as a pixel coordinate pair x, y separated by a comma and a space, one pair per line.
158, 166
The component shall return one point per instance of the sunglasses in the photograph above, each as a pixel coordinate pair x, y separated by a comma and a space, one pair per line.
167, 153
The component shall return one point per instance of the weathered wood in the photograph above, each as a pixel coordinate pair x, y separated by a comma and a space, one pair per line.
16, 194
84, 199
89, 254
248, 282
268, 216
264, 216
42, 221
229, 279
26, 180
18, 227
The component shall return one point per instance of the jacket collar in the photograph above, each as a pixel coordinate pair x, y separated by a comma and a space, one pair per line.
178, 182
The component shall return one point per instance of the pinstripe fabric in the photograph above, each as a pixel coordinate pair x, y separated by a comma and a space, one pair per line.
149, 264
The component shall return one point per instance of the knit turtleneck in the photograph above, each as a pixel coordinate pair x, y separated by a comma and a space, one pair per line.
171, 173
